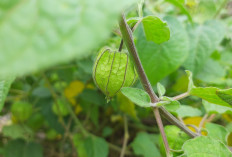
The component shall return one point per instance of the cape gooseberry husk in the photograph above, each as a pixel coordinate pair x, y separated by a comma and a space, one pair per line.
113, 70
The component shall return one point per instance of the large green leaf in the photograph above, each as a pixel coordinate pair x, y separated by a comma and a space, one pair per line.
143, 145
217, 132
4, 88
213, 95
205, 147
211, 108
41, 33
159, 60
204, 39
211, 72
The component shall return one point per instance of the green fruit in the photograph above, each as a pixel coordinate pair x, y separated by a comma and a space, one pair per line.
21, 111
112, 71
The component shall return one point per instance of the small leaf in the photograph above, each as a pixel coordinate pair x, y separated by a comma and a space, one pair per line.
143, 145
132, 21
138, 96
203, 146
190, 78
188, 111
4, 88
170, 104
155, 29
217, 132
161, 89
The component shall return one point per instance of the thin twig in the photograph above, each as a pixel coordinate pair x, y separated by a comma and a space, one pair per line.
161, 127
126, 137
181, 96
202, 123
211, 117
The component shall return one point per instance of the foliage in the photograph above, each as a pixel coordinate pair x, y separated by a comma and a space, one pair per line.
50, 102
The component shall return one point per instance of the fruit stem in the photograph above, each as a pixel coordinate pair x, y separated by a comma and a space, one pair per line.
128, 40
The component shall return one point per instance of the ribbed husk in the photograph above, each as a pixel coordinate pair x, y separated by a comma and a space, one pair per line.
112, 71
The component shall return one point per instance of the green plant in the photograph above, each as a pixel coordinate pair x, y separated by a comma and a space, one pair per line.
55, 78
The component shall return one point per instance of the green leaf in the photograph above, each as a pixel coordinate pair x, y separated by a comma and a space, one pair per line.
143, 145
159, 60
132, 21
175, 137
208, 94
217, 132
78, 141
17, 131
96, 147
23, 149
188, 111
169, 104
213, 108
46, 33
204, 40
4, 88
190, 79
155, 29
161, 89
211, 72
178, 4
225, 95
137, 96
203, 146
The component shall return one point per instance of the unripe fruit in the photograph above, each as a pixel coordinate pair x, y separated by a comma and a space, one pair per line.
21, 111
112, 71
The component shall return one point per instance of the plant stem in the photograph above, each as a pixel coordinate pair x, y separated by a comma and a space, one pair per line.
128, 39
176, 122
181, 96
161, 127
203, 120
126, 137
